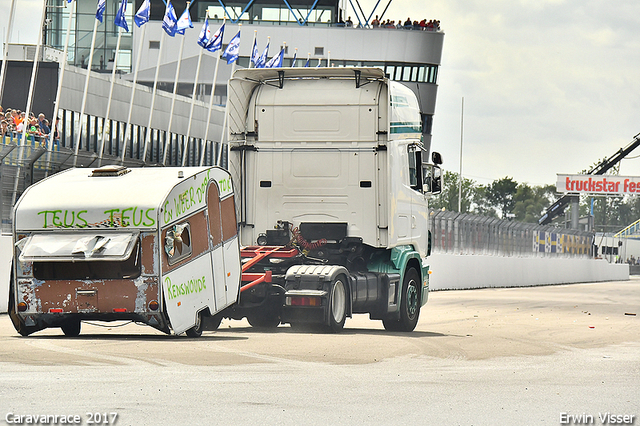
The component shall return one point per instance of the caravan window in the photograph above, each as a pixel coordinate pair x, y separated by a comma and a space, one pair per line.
177, 242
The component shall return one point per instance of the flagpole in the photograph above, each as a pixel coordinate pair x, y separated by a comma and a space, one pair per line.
84, 95
226, 109
133, 93
175, 90
106, 115
32, 84
213, 90
174, 93
193, 97
56, 105
34, 70
284, 50
329, 58
224, 123
6, 49
153, 96
255, 34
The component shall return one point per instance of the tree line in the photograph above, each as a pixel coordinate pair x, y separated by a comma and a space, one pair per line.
506, 198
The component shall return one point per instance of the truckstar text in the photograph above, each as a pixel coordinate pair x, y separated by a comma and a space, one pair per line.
604, 185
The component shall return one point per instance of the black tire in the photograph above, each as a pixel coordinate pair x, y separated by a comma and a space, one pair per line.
409, 304
18, 323
71, 328
212, 323
338, 304
196, 330
264, 319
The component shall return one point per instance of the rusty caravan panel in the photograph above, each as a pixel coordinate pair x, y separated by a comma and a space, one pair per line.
229, 226
96, 296
199, 241
149, 249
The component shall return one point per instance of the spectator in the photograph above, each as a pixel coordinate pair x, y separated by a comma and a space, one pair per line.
376, 22
42, 124
399, 26
349, 22
408, 24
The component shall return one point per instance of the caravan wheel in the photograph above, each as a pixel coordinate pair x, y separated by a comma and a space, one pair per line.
196, 330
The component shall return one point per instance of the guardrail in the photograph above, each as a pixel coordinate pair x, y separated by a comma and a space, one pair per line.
461, 233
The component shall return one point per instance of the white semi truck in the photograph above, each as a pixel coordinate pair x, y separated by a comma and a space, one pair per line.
332, 184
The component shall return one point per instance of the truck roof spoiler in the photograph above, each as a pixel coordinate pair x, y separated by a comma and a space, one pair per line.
272, 75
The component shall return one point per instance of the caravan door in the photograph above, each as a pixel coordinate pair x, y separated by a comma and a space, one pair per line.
225, 253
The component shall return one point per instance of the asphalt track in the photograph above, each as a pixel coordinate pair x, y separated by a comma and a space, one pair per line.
519, 356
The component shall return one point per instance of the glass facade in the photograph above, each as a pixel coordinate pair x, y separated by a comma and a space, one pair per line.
81, 34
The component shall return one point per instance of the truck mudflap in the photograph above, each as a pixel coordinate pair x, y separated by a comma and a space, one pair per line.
318, 294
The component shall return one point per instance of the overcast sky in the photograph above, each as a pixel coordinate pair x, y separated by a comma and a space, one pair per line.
549, 86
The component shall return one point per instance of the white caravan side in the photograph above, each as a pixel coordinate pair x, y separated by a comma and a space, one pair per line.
151, 245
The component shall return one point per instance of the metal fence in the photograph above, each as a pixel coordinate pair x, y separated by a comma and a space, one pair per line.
461, 233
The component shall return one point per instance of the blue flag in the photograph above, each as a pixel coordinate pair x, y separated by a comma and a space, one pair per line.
306, 65
233, 49
276, 61
254, 52
184, 22
170, 21
205, 34
293, 61
102, 5
142, 15
215, 42
262, 60
121, 20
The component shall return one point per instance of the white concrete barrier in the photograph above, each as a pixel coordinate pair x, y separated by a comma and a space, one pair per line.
456, 272
6, 252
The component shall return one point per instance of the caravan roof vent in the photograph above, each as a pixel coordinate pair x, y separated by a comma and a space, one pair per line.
112, 170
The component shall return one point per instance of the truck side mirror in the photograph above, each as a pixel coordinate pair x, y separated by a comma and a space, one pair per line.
436, 158
431, 182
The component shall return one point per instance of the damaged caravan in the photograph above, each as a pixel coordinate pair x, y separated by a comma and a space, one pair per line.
157, 246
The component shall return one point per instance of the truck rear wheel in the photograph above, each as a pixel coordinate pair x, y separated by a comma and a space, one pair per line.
212, 323
337, 305
409, 304
71, 328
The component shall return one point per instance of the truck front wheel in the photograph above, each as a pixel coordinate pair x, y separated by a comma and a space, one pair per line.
409, 304
338, 305
264, 319
71, 328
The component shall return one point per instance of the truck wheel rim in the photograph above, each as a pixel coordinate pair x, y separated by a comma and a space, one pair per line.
338, 299
412, 298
